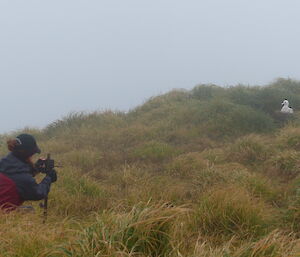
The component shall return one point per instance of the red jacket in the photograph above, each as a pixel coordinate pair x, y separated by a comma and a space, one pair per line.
10, 197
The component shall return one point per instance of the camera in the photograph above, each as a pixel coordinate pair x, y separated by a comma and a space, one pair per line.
45, 165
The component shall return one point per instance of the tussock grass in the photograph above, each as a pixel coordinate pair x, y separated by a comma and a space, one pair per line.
128, 177
276, 244
24, 235
262, 187
187, 165
231, 212
250, 149
291, 215
86, 159
154, 152
285, 164
223, 118
145, 231
289, 137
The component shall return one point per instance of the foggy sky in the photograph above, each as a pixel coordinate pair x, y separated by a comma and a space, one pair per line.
60, 56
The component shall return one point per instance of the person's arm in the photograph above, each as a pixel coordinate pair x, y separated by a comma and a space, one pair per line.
30, 190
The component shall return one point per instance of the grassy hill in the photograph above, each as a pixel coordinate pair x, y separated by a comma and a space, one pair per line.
208, 172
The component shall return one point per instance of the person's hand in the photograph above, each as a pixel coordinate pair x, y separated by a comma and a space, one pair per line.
40, 165
52, 174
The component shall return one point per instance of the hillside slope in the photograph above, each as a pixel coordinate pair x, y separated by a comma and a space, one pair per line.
208, 172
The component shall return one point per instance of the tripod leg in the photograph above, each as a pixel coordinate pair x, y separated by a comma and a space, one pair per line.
45, 209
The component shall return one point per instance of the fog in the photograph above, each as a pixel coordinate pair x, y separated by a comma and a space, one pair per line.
68, 55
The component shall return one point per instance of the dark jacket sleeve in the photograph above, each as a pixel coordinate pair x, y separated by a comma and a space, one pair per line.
30, 190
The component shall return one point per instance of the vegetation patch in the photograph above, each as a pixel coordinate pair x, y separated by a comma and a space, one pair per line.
186, 165
285, 164
249, 150
232, 212
144, 231
154, 152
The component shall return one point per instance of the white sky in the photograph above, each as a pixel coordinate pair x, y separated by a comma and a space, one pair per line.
60, 56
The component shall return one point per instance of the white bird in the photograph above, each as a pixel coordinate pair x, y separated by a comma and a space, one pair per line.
285, 107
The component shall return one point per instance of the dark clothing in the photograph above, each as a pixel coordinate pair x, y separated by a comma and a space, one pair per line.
16, 177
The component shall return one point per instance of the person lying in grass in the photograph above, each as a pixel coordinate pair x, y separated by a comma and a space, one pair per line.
17, 171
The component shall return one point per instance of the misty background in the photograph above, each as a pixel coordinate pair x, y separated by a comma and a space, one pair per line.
60, 56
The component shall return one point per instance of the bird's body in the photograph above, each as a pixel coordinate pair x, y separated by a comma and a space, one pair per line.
285, 107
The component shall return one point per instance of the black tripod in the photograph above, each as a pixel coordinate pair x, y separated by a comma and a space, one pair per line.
49, 165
